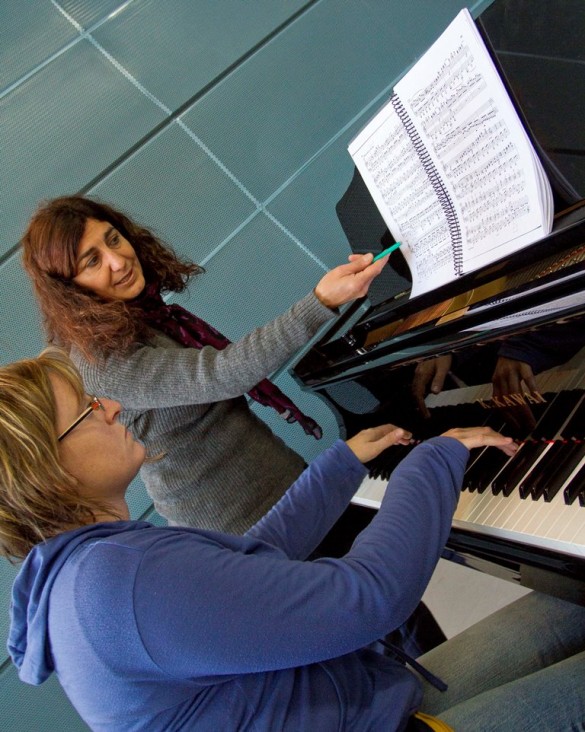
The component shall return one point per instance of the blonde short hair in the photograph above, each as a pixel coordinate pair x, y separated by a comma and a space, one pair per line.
38, 497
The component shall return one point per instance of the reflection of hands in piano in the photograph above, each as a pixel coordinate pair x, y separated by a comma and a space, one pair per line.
348, 281
482, 437
368, 444
433, 372
510, 376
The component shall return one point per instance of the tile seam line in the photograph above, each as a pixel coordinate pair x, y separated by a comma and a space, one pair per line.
332, 140
213, 157
9, 254
11, 87
175, 116
172, 119
228, 238
294, 239
83, 34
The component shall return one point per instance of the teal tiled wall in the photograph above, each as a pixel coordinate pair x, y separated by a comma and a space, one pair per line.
223, 124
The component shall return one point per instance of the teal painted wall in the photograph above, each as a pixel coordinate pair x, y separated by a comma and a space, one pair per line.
223, 124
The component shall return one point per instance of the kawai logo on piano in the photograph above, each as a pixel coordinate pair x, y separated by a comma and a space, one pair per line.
512, 400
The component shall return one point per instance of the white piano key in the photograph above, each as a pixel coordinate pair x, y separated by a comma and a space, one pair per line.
551, 525
565, 515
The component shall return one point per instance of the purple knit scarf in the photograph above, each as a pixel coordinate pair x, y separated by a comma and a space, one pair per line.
186, 328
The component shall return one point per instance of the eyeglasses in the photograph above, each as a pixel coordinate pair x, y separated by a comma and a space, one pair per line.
91, 407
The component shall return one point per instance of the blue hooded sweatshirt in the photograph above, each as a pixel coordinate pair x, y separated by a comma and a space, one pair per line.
154, 628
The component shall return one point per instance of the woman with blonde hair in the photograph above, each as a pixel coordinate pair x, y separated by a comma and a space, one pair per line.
100, 278
176, 628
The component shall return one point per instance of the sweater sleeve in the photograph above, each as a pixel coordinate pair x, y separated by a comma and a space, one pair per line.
242, 608
303, 516
151, 376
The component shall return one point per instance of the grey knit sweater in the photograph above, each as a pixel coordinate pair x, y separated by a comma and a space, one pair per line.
223, 468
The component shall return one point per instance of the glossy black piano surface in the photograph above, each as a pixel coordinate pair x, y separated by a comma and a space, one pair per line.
524, 518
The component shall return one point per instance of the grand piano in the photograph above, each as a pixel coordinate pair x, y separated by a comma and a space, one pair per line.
520, 518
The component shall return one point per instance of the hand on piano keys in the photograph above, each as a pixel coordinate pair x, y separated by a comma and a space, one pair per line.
369, 443
473, 437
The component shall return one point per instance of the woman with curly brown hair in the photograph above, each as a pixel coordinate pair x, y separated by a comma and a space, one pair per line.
99, 278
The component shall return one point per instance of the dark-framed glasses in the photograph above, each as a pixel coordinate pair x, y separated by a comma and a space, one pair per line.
91, 407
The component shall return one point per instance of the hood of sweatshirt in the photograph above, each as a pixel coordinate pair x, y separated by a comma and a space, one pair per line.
28, 639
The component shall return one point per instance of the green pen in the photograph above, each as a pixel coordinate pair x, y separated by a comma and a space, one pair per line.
386, 251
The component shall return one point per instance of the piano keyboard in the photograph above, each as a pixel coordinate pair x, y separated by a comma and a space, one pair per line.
538, 496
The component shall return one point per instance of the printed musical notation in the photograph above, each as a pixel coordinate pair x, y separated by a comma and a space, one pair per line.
402, 189
449, 163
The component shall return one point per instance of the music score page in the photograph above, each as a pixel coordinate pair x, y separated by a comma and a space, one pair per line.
450, 166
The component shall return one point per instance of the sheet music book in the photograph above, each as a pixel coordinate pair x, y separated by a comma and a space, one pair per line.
450, 165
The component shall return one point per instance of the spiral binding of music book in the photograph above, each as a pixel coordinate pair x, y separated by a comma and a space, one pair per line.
445, 200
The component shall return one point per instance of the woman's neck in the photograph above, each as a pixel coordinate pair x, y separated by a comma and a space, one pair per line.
112, 510
116, 511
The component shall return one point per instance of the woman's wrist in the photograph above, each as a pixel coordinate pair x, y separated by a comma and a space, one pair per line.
324, 301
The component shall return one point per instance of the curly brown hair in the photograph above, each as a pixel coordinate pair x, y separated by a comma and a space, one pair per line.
74, 316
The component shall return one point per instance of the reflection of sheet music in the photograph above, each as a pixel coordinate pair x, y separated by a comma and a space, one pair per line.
555, 307
465, 132
539, 288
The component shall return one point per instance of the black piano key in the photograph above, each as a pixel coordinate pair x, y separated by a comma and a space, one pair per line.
517, 468
570, 459
552, 420
383, 465
442, 419
474, 454
575, 427
484, 470
460, 415
535, 483
575, 487
469, 483
547, 427
472, 479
